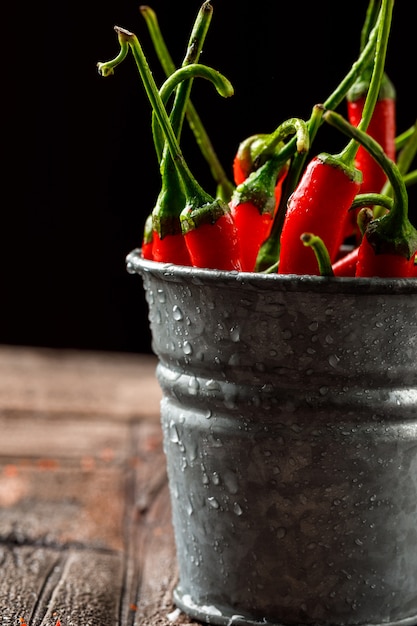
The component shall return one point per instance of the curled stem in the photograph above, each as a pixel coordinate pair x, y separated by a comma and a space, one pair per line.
265, 148
322, 254
220, 82
371, 199
107, 68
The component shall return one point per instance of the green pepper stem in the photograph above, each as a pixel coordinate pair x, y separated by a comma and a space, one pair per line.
322, 254
158, 41
218, 173
172, 197
372, 199
408, 152
191, 186
404, 161
194, 48
402, 139
338, 95
410, 178
370, 19
220, 82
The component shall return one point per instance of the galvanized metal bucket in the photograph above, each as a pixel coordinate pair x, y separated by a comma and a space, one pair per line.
289, 415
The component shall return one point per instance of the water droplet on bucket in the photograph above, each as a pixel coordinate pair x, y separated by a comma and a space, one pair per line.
213, 503
161, 296
177, 313
235, 333
237, 509
215, 478
193, 386
173, 433
212, 385
187, 347
333, 360
189, 507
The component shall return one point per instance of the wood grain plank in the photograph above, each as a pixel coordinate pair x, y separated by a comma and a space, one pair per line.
89, 591
84, 501
24, 571
63, 436
47, 380
62, 506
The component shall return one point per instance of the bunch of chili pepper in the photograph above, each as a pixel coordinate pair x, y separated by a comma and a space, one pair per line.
287, 210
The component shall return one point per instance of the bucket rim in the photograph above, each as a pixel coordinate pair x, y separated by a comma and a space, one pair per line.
136, 264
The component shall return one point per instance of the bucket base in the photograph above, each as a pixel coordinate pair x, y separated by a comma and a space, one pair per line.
211, 614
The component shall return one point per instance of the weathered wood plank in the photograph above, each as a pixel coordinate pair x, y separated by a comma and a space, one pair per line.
64, 436
24, 572
89, 591
85, 519
63, 507
45, 380
41, 586
82, 494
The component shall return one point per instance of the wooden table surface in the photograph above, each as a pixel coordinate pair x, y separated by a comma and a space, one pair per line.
85, 520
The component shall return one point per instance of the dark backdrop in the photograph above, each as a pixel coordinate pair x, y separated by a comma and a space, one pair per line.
79, 171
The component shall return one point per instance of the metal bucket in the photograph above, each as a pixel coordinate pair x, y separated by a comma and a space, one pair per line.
289, 415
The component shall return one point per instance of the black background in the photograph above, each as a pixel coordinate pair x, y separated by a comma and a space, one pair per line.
79, 170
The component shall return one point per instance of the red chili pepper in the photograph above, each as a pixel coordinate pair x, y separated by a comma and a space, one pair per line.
382, 124
346, 266
382, 128
253, 228
211, 236
253, 206
414, 268
319, 205
171, 249
389, 243
382, 265
257, 150
243, 162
